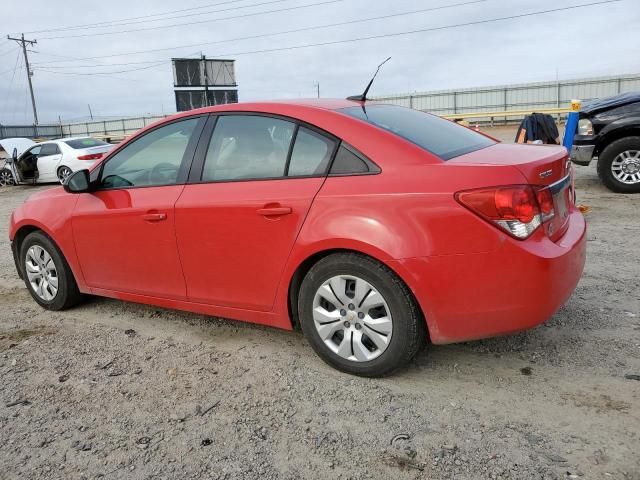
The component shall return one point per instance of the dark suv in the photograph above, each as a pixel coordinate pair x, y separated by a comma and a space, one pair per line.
609, 131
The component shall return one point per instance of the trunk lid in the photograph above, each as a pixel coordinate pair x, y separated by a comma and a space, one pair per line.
541, 166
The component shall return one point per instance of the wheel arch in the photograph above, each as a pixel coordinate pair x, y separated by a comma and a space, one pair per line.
18, 238
16, 244
615, 134
303, 267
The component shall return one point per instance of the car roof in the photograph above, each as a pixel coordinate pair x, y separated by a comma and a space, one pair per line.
319, 103
64, 139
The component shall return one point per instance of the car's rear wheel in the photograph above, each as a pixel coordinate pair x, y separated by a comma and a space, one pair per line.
359, 316
6, 177
47, 274
64, 173
619, 165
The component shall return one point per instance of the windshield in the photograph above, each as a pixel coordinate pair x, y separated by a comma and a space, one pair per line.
436, 135
80, 143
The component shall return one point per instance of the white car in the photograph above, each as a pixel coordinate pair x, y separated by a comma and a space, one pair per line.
55, 160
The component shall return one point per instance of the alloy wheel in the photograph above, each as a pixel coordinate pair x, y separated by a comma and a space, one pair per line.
352, 318
41, 273
626, 167
6, 178
64, 173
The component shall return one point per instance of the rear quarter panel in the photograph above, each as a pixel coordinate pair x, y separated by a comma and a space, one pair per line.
407, 211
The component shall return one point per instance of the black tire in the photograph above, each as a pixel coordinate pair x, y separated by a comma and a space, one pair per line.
6, 178
409, 330
60, 171
67, 294
607, 157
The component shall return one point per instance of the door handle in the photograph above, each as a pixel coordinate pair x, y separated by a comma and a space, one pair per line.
154, 217
274, 211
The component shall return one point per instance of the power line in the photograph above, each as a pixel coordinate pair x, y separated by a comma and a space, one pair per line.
89, 25
422, 30
13, 76
155, 64
270, 2
284, 32
96, 65
398, 34
7, 52
246, 15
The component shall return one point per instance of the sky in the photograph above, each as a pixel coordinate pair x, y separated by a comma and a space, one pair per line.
441, 53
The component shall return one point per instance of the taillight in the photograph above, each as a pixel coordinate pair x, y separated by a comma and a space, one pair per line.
517, 209
545, 202
91, 156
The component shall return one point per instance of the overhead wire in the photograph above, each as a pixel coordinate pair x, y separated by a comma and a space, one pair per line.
10, 88
283, 32
90, 25
270, 2
245, 15
402, 33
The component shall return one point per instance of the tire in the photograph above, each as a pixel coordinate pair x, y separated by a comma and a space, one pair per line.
6, 178
616, 160
404, 335
66, 294
63, 173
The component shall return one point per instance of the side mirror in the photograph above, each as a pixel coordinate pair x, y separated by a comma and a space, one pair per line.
78, 182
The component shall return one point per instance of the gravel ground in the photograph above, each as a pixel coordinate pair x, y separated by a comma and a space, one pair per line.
119, 390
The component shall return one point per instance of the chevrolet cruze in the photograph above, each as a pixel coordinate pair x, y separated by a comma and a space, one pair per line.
374, 228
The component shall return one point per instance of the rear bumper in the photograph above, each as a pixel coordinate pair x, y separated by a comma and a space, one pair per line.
582, 154
516, 287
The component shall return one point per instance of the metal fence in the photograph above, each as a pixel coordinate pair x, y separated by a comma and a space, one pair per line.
30, 131
116, 129
109, 128
527, 96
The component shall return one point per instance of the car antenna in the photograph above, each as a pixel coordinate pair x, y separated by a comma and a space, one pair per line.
363, 97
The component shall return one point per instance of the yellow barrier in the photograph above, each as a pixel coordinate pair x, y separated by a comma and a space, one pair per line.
508, 113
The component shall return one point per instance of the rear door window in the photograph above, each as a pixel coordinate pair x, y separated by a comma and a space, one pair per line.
245, 147
49, 149
441, 137
311, 154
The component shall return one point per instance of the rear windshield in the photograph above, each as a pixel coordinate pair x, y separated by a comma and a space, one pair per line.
436, 135
80, 143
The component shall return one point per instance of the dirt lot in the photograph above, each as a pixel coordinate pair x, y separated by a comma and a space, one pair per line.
118, 390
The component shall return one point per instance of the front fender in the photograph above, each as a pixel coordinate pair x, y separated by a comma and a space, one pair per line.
50, 211
620, 128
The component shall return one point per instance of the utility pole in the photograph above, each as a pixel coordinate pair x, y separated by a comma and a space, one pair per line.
206, 79
317, 85
90, 112
23, 43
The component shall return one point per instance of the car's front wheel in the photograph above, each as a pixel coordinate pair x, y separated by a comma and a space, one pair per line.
47, 274
64, 173
359, 316
619, 165
6, 177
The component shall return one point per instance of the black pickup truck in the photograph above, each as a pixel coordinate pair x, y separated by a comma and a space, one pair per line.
609, 132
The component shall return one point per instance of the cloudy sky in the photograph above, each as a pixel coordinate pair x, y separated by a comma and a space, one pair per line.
125, 77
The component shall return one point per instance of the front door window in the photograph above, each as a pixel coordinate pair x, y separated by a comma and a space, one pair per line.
152, 160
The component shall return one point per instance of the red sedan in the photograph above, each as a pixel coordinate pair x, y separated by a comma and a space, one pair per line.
372, 227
